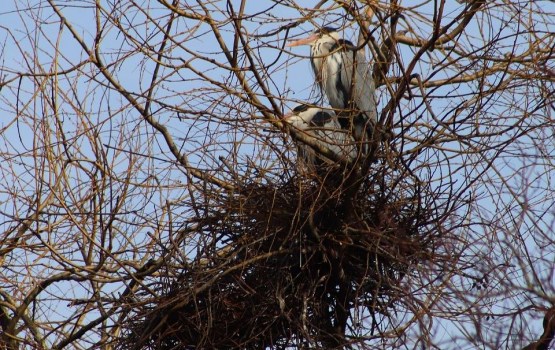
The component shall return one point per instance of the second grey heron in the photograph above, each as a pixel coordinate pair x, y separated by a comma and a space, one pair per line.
323, 127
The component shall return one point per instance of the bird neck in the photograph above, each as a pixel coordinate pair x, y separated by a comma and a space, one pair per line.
323, 46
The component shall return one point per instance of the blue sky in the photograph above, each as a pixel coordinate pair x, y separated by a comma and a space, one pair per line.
126, 142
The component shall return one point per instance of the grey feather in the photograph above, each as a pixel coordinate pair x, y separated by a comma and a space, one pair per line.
336, 63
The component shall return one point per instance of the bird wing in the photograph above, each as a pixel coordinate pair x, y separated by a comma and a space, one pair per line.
362, 88
331, 81
365, 90
335, 138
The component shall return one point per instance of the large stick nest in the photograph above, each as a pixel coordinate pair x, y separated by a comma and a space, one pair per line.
287, 264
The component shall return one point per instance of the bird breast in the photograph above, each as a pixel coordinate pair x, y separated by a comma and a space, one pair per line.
334, 138
327, 68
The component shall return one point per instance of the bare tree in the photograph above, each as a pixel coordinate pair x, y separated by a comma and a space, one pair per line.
151, 197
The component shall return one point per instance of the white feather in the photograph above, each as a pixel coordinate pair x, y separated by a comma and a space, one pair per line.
329, 135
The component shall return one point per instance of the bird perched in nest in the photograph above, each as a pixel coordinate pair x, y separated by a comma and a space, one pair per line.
343, 74
323, 128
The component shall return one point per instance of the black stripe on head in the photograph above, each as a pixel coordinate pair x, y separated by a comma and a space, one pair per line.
325, 30
343, 44
321, 118
300, 108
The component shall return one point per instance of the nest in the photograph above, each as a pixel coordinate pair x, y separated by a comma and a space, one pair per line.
287, 265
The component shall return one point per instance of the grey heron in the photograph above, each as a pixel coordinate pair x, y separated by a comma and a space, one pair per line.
323, 127
343, 74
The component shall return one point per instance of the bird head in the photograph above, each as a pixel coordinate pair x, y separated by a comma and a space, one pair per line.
300, 116
323, 34
305, 116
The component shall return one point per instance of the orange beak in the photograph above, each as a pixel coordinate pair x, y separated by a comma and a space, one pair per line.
305, 41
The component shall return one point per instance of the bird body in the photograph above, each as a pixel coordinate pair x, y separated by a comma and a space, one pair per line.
322, 126
343, 74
